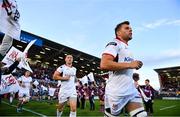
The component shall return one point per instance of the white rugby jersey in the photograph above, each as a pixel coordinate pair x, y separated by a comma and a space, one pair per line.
68, 85
26, 81
120, 83
9, 18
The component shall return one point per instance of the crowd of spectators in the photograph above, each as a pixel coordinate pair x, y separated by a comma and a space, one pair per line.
171, 89
88, 92
42, 72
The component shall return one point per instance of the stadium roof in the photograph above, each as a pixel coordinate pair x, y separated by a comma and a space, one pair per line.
52, 53
169, 72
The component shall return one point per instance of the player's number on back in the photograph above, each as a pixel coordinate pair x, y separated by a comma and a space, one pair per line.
16, 15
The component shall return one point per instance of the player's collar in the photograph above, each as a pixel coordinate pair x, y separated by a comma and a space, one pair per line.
69, 66
26, 77
121, 40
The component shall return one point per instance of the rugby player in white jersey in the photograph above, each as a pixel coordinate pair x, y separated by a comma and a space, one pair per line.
67, 74
25, 82
9, 24
120, 90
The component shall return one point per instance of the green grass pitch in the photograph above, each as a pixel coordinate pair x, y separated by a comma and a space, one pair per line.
161, 108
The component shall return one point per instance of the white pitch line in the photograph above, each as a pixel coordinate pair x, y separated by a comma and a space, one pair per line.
168, 107
26, 109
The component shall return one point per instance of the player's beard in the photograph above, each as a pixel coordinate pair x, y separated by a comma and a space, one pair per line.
130, 38
69, 63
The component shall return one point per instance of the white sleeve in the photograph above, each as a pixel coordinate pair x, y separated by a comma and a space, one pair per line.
60, 69
111, 49
75, 71
30, 79
20, 79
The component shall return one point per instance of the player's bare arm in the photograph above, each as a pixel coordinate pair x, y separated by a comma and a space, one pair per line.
57, 76
107, 63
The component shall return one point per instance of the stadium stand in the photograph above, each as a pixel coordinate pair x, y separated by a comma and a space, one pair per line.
45, 56
169, 79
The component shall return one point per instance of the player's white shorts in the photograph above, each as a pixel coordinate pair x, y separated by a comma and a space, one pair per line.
24, 95
51, 94
65, 96
115, 104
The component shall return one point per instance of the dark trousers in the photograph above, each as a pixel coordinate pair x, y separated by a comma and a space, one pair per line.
82, 102
0, 79
78, 102
91, 101
0, 98
149, 106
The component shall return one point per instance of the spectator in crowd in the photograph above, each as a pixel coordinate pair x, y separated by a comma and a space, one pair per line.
34, 92
91, 91
83, 96
149, 92
101, 92
78, 93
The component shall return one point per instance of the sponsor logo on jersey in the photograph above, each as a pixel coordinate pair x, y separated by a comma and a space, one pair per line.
128, 59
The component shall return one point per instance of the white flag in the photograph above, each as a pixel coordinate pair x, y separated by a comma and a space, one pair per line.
59, 83
8, 84
24, 63
28, 46
144, 96
84, 80
44, 88
36, 83
51, 91
14, 53
91, 77
11, 56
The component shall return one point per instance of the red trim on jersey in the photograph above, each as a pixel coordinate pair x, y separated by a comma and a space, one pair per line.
121, 40
108, 54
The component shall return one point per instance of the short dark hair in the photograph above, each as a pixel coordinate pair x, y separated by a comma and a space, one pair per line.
119, 26
135, 76
147, 80
68, 55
